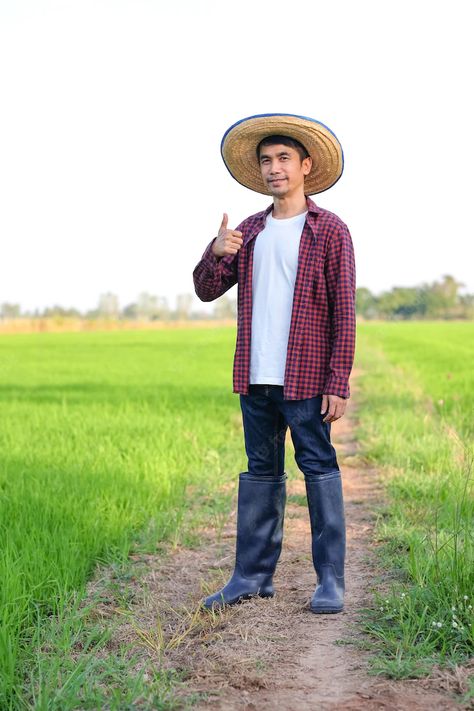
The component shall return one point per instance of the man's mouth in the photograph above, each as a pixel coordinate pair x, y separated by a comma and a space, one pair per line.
276, 180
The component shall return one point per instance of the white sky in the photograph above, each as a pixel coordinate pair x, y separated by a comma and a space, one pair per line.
112, 113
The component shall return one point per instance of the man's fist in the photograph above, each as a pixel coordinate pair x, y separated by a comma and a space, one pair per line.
227, 241
335, 407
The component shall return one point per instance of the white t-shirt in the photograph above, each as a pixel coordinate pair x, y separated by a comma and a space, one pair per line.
275, 263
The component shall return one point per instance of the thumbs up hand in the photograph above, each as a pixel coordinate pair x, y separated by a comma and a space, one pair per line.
227, 241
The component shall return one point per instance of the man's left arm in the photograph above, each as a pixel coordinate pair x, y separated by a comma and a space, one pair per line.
341, 286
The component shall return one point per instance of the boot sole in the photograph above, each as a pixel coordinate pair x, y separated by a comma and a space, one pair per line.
229, 603
326, 610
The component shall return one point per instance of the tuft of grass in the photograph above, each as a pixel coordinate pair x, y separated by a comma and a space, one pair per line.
298, 499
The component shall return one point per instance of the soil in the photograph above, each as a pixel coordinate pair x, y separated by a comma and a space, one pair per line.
275, 653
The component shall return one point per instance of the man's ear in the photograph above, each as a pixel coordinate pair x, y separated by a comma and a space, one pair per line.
307, 164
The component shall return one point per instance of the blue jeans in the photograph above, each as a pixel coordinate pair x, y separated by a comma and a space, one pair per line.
266, 417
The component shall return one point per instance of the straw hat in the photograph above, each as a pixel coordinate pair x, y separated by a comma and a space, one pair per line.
240, 141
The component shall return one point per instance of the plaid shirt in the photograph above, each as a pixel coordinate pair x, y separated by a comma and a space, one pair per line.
321, 341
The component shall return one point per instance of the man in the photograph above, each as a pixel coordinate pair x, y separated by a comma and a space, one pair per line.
295, 270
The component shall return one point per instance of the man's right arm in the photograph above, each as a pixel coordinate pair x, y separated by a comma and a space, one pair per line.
214, 275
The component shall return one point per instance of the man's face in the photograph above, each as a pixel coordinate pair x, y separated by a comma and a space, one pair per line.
282, 170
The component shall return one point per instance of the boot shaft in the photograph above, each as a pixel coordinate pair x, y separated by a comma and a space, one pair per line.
328, 531
260, 519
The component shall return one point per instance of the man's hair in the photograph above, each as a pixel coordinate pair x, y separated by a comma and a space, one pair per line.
286, 141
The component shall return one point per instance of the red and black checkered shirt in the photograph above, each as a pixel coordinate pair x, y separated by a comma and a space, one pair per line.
321, 341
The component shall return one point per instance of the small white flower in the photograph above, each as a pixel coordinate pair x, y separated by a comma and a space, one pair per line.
403, 595
433, 624
381, 609
386, 601
439, 624
465, 597
453, 609
469, 607
455, 624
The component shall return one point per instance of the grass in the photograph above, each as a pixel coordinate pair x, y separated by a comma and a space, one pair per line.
110, 442
416, 424
114, 442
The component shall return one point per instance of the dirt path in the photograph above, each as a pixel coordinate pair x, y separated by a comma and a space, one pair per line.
276, 654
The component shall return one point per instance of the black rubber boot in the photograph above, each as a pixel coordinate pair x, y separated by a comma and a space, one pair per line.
328, 533
260, 515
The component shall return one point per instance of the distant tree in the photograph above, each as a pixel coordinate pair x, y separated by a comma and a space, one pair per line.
162, 310
366, 303
130, 311
147, 308
10, 310
54, 311
184, 304
108, 306
151, 308
435, 300
466, 306
400, 302
442, 298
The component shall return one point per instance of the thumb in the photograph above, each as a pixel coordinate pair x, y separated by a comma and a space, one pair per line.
224, 222
324, 404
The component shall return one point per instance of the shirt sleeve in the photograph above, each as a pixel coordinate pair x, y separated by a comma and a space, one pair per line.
341, 286
213, 276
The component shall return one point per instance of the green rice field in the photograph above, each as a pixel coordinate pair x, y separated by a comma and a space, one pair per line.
112, 442
417, 424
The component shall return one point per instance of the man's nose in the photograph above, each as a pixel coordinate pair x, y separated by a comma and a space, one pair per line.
275, 167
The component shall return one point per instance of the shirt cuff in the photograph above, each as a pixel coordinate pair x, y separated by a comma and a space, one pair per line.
209, 258
337, 386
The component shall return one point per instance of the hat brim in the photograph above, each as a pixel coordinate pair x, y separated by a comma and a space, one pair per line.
240, 141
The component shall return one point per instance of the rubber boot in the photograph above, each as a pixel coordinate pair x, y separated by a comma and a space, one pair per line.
260, 515
328, 534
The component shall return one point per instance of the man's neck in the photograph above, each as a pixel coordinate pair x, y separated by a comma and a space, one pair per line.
288, 206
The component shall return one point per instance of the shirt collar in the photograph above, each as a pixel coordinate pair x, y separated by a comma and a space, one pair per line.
261, 217
311, 205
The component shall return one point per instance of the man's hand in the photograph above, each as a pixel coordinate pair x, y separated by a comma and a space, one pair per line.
227, 241
335, 407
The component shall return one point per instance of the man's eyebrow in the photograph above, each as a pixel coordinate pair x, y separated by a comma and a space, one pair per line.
281, 153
